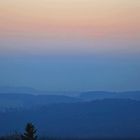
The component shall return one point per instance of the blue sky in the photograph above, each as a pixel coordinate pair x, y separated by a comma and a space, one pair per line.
71, 72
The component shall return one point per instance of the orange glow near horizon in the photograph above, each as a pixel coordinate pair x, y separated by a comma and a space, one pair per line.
89, 17
70, 19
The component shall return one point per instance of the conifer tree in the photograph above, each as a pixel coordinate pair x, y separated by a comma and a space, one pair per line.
30, 132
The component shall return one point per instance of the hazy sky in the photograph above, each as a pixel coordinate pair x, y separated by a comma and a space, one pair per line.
70, 44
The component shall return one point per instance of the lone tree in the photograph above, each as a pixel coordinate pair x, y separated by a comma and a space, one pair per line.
30, 132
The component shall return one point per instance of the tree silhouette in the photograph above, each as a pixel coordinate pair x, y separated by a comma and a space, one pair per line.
30, 132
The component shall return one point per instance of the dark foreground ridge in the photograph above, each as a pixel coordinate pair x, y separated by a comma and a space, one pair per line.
106, 118
31, 134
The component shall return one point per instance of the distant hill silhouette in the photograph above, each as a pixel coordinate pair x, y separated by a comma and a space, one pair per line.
18, 101
22, 97
95, 95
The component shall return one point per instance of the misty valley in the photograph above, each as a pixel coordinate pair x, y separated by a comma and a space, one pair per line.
88, 115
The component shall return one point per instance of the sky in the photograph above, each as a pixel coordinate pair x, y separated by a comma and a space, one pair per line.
70, 45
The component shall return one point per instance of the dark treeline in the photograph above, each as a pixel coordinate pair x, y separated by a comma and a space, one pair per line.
14, 137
